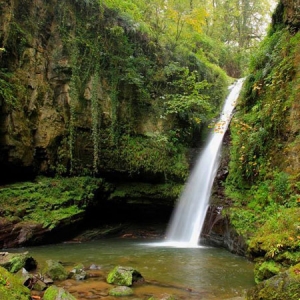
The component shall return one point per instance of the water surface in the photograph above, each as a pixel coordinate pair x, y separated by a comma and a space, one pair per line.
189, 273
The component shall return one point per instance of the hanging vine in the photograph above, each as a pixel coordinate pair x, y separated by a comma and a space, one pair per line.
73, 93
96, 121
114, 108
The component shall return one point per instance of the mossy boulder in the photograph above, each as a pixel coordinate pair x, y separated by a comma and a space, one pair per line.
285, 285
11, 287
121, 291
125, 276
78, 273
14, 262
266, 270
56, 293
55, 270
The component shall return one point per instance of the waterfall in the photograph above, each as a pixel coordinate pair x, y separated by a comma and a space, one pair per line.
189, 215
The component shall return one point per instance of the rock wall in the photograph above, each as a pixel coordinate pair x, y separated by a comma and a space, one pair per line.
77, 82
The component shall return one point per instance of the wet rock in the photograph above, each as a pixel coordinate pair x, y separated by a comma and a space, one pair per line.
56, 293
219, 232
14, 262
285, 285
16, 233
39, 285
126, 276
94, 267
121, 291
35, 282
55, 270
78, 273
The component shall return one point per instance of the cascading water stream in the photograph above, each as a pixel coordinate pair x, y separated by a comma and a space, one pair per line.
188, 217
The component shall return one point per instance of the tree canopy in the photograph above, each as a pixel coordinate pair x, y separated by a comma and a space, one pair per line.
222, 31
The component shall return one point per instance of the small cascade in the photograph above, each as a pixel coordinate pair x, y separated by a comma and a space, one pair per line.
189, 215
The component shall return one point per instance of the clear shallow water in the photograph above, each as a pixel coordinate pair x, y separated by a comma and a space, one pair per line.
189, 273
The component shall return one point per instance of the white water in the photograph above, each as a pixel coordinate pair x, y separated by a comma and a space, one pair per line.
189, 215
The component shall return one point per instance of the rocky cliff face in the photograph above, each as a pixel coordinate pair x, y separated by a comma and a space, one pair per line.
79, 86
292, 12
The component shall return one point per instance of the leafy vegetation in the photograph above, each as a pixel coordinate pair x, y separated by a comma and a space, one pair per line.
264, 173
123, 61
48, 201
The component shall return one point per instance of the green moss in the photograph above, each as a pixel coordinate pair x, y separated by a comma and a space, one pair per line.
54, 292
55, 270
155, 154
154, 192
49, 201
121, 291
285, 285
123, 276
266, 270
288, 258
11, 287
279, 232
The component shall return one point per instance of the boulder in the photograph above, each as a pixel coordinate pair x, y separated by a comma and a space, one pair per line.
55, 270
14, 262
284, 286
11, 286
126, 276
78, 273
56, 293
121, 291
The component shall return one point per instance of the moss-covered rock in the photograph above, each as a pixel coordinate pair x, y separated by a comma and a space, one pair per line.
55, 270
14, 262
78, 273
121, 291
266, 270
285, 285
11, 287
124, 276
43, 208
56, 293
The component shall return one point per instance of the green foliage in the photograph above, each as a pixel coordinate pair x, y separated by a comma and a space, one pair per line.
280, 232
96, 121
11, 286
158, 193
266, 270
74, 96
118, 70
155, 154
48, 201
11, 89
187, 99
260, 127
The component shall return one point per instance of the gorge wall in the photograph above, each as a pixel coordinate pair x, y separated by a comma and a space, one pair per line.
258, 183
83, 92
